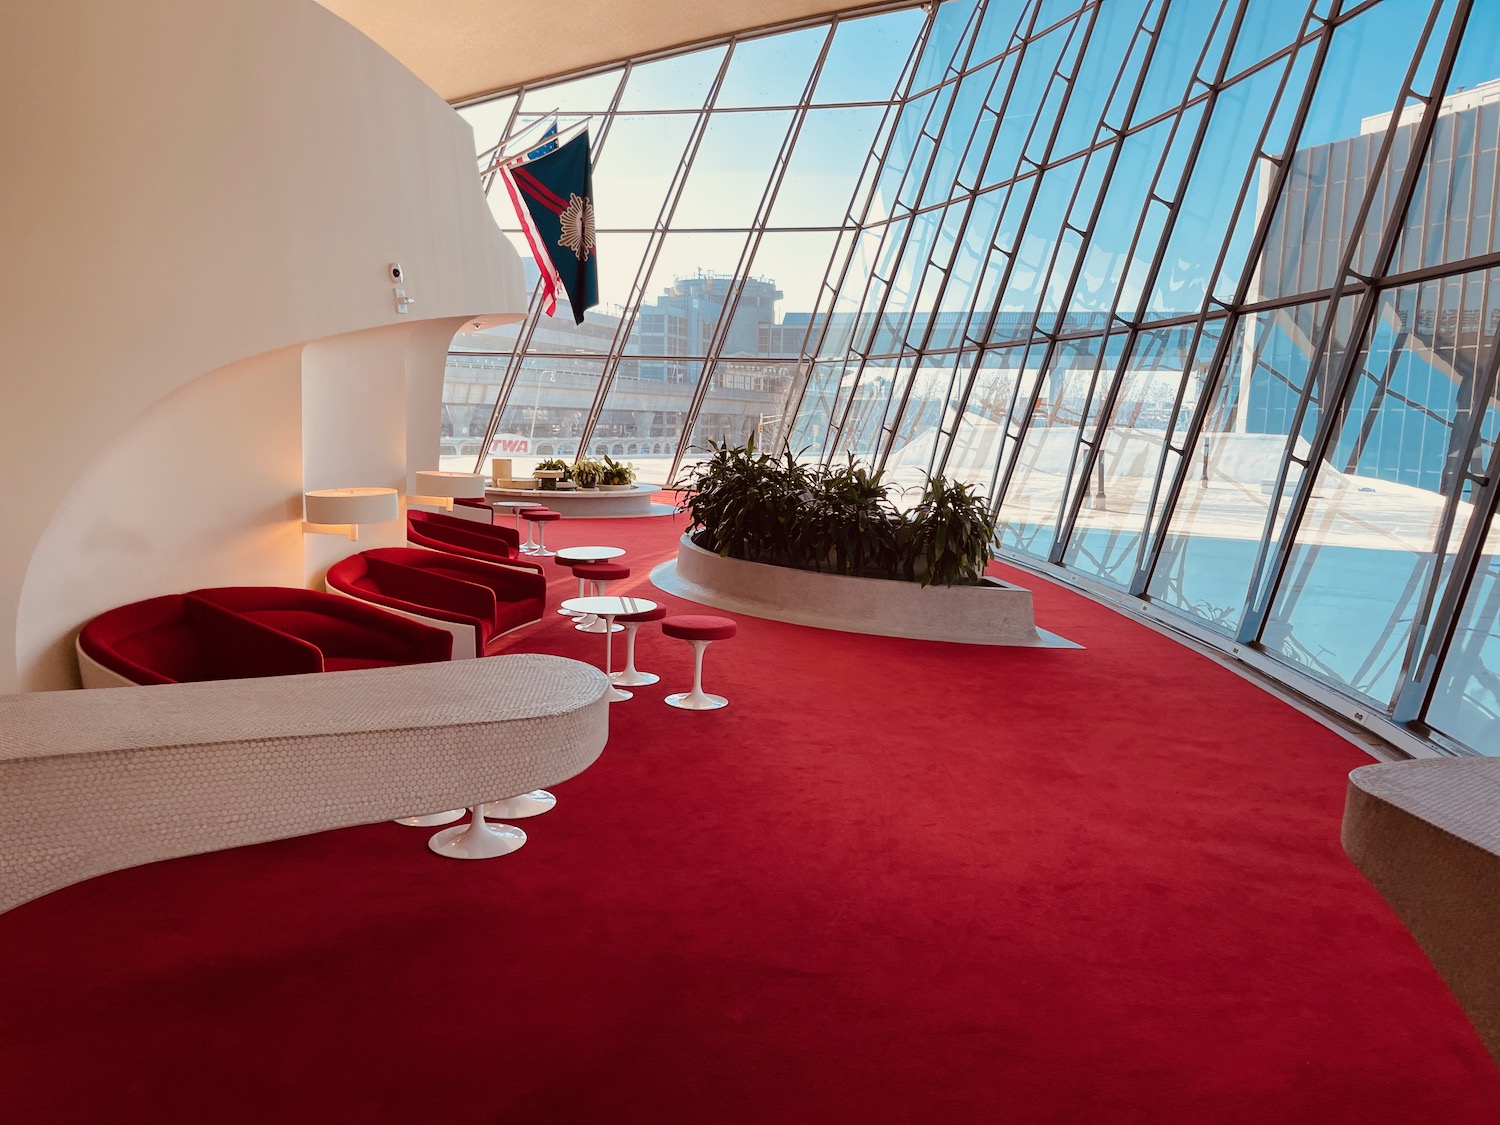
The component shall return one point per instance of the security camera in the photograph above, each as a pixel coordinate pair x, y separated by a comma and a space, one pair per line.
397, 274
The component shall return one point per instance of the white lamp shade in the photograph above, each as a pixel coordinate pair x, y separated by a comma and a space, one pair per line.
351, 505
462, 486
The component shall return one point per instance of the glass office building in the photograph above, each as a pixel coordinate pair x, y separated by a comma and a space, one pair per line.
1201, 294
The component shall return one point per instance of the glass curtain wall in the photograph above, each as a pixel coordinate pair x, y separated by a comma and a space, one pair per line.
1204, 294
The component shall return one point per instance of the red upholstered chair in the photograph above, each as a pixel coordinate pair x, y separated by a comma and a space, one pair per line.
183, 638
478, 602
349, 634
539, 518
485, 542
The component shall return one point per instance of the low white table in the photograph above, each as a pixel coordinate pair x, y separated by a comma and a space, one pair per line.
609, 608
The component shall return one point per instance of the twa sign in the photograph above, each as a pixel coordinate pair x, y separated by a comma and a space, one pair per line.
509, 445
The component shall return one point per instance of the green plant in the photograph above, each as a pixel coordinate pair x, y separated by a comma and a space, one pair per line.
744, 504
848, 523
748, 505
616, 473
587, 472
949, 535
554, 465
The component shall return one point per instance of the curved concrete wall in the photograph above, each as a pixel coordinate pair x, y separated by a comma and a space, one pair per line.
189, 185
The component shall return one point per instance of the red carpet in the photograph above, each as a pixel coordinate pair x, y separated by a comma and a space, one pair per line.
894, 881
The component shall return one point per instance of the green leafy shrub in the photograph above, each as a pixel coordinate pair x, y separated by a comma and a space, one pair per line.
950, 535
588, 472
749, 505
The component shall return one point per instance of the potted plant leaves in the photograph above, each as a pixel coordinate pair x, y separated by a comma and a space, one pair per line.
616, 477
587, 472
549, 472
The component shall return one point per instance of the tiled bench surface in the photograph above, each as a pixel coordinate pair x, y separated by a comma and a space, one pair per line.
1427, 834
95, 781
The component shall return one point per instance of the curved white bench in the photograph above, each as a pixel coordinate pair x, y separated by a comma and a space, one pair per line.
1427, 834
190, 768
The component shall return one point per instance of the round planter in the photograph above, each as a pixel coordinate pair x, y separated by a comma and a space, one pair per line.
617, 488
993, 613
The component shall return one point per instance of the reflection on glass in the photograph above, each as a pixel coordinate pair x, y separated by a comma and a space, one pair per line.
866, 58
731, 169
771, 70
693, 280
1370, 540
1466, 698
645, 411
819, 182
679, 82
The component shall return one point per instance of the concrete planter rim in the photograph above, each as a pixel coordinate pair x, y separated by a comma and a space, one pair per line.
994, 612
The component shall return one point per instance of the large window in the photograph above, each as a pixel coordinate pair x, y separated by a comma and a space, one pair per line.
1205, 294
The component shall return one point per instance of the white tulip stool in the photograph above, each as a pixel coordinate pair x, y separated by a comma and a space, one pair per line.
599, 575
517, 507
699, 630
477, 839
632, 676
540, 518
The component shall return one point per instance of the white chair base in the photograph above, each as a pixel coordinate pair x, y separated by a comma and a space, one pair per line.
535, 803
477, 839
432, 820
632, 676
696, 701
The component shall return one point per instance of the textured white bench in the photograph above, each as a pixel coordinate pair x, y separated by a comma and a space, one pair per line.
1427, 834
95, 781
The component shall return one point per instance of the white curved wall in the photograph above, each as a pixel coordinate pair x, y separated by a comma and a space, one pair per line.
188, 185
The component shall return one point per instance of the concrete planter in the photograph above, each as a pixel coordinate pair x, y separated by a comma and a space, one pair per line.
995, 613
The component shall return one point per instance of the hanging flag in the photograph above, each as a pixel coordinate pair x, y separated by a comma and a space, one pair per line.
554, 197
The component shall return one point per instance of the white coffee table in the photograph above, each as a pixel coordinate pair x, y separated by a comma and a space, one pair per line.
570, 555
609, 608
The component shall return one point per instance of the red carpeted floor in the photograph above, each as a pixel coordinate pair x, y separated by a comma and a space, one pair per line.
895, 881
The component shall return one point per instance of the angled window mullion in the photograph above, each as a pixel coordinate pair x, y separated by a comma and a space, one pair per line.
747, 256
1068, 518
1236, 308
1271, 561
810, 356
1415, 691
651, 255
521, 349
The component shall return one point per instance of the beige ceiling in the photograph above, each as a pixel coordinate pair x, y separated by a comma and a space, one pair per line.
462, 48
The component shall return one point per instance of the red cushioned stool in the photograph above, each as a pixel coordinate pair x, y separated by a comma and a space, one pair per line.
631, 676
699, 630
539, 518
599, 575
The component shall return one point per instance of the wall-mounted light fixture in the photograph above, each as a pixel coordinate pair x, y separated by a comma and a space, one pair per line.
340, 511
438, 489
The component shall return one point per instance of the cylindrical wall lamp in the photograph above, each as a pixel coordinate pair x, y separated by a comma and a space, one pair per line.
436, 488
340, 511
